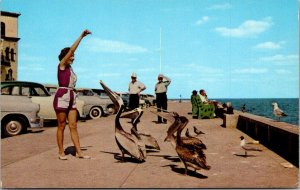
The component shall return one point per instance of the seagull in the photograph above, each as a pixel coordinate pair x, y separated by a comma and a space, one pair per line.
277, 111
246, 147
197, 131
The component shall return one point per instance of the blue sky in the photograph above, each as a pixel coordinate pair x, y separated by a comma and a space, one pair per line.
230, 48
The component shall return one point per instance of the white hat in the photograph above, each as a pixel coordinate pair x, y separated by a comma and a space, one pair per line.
133, 75
160, 76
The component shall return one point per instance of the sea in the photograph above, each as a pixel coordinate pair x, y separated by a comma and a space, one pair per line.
263, 107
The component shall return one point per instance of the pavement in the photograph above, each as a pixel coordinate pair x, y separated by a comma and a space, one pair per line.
31, 160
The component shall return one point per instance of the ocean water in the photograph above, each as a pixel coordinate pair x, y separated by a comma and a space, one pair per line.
263, 107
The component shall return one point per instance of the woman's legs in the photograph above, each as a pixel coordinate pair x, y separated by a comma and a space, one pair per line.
61, 122
72, 118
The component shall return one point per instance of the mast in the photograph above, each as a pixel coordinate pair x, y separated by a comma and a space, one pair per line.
160, 62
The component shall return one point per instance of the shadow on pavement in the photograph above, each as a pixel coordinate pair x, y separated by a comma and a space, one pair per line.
118, 157
182, 171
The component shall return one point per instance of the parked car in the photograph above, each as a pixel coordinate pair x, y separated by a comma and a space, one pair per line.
95, 107
17, 114
39, 95
150, 99
125, 98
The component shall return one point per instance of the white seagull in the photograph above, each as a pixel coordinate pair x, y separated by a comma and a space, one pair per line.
277, 111
247, 147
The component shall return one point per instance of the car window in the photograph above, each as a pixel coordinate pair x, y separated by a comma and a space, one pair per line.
25, 91
38, 91
15, 90
5, 91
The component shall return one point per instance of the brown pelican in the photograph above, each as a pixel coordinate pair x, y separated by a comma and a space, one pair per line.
197, 131
246, 147
128, 144
190, 154
135, 115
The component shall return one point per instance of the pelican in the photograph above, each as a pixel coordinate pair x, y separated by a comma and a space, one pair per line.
128, 143
197, 131
246, 147
277, 111
150, 142
190, 155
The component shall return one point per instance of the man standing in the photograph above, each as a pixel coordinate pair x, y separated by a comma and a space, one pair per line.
135, 88
161, 94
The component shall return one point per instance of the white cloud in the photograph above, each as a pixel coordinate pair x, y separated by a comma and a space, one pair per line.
201, 21
223, 6
110, 46
251, 71
269, 45
281, 58
248, 28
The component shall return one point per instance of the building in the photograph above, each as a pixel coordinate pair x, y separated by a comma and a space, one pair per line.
9, 45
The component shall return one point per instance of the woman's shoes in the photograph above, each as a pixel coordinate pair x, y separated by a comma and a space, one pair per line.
62, 157
84, 157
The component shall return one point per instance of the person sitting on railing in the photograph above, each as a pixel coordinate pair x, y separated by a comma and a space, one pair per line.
196, 102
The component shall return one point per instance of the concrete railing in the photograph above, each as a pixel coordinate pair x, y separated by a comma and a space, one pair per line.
280, 137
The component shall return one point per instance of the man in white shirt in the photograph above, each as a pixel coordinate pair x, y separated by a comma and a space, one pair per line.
203, 96
161, 88
135, 88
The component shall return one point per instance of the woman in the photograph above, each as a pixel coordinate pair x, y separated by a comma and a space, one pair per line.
65, 99
196, 102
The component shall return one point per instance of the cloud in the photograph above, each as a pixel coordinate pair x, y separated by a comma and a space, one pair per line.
248, 28
223, 6
281, 58
269, 45
110, 46
250, 71
201, 21
29, 58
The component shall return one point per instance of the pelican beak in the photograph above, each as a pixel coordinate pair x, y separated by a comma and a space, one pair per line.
132, 114
166, 115
113, 96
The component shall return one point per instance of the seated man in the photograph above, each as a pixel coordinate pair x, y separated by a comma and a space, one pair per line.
207, 108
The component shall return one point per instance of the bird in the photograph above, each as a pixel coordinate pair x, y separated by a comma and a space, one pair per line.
190, 155
187, 133
135, 115
247, 147
197, 131
277, 111
128, 143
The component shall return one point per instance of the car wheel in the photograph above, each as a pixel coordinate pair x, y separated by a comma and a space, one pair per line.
111, 109
95, 113
12, 128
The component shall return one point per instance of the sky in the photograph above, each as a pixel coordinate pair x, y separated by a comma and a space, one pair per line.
230, 48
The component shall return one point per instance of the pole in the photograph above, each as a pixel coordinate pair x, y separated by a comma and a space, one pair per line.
160, 62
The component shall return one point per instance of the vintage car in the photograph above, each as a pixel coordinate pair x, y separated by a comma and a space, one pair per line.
125, 98
38, 94
95, 106
150, 99
17, 114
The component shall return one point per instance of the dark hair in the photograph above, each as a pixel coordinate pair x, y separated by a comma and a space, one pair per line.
201, 91
194, 92
63, 53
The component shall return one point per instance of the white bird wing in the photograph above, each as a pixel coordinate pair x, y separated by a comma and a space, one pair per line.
278, 112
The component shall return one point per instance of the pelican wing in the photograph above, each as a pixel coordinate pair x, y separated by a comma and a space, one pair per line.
149, 141
130, 145
191, 158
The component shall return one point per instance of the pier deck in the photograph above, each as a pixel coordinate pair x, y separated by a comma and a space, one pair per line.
31, 160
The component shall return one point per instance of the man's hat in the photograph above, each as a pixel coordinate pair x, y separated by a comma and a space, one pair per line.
134, 75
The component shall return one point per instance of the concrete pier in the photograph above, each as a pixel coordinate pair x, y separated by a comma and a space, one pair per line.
281, 137
31, 160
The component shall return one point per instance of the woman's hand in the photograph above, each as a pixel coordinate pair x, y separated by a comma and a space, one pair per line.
85, 33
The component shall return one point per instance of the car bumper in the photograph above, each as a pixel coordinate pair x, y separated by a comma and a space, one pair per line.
37, 123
